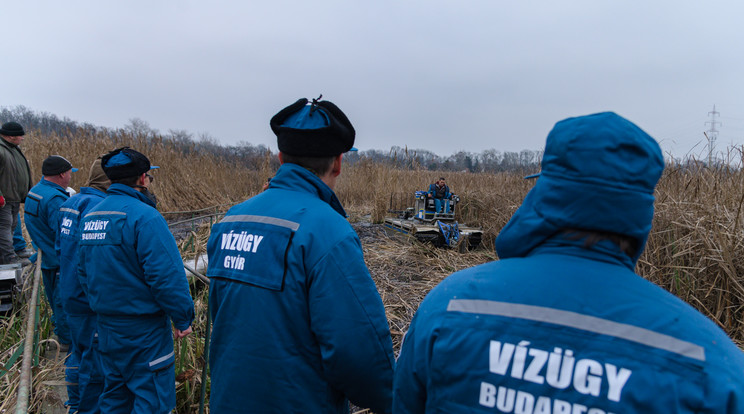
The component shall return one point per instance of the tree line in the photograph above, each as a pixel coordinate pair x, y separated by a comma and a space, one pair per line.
254, 156
490, 160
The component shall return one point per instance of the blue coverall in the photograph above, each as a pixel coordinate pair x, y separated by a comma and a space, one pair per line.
41, 213
80, 317
298, 323
132, 272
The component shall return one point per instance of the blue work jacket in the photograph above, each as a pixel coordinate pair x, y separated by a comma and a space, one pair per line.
129, 262
564, 329
298, 322
41, 214
562, 326
71, 212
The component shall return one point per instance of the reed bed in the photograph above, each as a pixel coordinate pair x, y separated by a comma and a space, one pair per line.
694, 249
405, 271
186, 179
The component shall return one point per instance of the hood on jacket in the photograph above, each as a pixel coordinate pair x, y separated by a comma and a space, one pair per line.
97, 178
598, 173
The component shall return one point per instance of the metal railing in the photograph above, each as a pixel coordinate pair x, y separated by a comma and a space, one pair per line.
24, 388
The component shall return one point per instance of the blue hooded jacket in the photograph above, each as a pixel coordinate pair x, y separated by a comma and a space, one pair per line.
41, 214
71, 212
298, 323
559, 327
129, 262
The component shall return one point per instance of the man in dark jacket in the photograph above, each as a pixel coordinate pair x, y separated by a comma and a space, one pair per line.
298, 323
41, 213
440, 192
562, 324
15, 181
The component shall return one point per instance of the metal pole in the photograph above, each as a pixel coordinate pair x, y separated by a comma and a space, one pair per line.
190, 220
206, 341
206, 360
28, 346
197, 274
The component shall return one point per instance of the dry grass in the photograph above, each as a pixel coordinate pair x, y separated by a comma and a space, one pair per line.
405, 271
694, 249
51, 364
182, 182
487, 200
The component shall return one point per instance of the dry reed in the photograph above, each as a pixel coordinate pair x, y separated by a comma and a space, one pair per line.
694, 249
183, 182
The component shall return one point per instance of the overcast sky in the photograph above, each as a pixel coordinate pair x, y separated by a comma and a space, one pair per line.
439, 75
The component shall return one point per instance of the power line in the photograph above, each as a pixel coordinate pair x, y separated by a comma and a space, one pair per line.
712, 133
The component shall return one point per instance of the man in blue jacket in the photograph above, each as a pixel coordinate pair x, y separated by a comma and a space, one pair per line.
562, 324
298, 323
85, 383
41, 213
132, 273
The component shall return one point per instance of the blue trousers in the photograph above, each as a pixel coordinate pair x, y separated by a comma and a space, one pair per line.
138, 364
72, 365
19, 243
438, 205
59, 317
89, 375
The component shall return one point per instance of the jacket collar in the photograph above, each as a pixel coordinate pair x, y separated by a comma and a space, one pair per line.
296, 178
121, 189
7, 144
91, 190
55, 186
603, 251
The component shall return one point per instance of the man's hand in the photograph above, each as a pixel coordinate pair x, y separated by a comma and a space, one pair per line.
2, 201
181, 334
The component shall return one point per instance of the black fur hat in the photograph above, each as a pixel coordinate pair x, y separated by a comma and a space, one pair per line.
316, 130
123, 163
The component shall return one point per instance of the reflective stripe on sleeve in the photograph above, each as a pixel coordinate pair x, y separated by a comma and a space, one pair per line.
579, 321
102, 213
245, 218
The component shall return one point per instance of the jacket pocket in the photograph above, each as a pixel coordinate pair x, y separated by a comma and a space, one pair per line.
164, 383
32, 204
251, 250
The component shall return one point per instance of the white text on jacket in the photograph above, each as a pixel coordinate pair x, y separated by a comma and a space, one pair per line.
66, 225
558, 369
95, 225
242, 242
